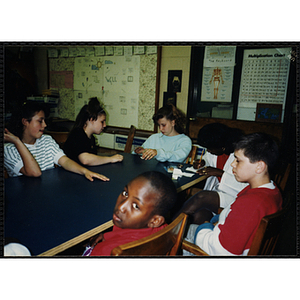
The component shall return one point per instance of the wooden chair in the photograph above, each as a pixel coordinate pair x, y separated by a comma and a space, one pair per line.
267, 234
130, 139
164, 242
265, 238
5, 174
281, 177
59, 136
191, 157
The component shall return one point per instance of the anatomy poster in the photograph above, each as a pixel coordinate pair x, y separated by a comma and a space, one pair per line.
115, 81
218, 70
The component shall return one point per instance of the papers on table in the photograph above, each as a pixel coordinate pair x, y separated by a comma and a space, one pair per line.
191, 169
178, 173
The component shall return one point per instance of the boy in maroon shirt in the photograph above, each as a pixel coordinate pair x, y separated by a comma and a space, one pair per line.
255, 156
140, 211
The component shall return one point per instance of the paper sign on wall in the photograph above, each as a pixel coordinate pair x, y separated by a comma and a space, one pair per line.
115, 81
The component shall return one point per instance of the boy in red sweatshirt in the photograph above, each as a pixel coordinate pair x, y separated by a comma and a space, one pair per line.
255, 155
140, 211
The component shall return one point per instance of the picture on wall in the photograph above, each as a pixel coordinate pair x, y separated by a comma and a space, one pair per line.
268, 112
218, 70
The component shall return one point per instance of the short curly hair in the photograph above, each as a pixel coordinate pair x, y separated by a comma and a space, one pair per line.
218, 135
165, 188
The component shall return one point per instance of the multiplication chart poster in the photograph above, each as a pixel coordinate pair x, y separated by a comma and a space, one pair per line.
264, 79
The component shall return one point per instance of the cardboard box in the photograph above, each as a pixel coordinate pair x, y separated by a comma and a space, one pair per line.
106, 140
120, 142
199, 151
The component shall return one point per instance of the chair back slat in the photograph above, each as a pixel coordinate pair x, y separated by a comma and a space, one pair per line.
130, 138
164, 242
191, 157
267, 234
281, 177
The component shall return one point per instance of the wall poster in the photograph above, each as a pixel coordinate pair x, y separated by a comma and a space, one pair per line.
115, 81
264, 80
218, 70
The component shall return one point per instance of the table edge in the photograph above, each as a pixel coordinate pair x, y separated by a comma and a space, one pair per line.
77, 239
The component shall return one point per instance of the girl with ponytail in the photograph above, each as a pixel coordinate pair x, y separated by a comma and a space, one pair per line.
81, 145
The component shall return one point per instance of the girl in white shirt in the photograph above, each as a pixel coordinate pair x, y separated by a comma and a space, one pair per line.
28, 152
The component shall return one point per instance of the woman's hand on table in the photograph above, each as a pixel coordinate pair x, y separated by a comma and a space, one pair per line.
70, 165
149, 154
146, 153
91, 175
116, 158
210, 171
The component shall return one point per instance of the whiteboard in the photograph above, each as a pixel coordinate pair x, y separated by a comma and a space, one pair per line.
114, 80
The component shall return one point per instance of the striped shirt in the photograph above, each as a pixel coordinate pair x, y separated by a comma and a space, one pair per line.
45, 151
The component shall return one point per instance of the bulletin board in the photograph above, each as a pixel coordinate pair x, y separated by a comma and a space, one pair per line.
124, 78
114, 80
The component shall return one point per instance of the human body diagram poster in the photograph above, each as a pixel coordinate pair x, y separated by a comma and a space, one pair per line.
264, 77
115, 81
218, 70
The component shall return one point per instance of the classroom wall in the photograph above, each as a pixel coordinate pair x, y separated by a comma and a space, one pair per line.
172, 58
175, 58
41, 69
147, 87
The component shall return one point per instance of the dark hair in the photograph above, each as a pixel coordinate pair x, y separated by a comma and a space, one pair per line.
27, 111
170, 112
218, 136
259, 147
165, 188
89, 111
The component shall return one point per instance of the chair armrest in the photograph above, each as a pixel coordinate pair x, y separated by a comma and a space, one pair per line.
190, 247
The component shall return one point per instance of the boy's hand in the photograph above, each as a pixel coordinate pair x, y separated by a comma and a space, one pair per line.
210, 171
139, 150
197, 164
96, 239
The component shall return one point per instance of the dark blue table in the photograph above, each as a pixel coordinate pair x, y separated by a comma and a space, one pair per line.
61, 209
